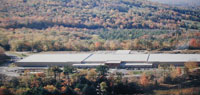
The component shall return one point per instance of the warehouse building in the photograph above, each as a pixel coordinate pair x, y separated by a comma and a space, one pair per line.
44, 60
113, 60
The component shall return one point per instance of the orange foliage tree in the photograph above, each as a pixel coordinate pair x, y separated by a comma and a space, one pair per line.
191, 65
1, 50
50, 88
194, 43
4, 91
144, 80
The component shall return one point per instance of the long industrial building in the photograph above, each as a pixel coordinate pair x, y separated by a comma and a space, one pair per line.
113, 60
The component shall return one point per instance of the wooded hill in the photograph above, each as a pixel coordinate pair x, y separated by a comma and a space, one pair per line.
64, 24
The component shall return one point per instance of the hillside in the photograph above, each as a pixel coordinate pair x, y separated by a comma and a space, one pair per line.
45, 25
90, 14
190, 3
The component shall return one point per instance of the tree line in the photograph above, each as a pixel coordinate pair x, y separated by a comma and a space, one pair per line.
70, 39
98, 81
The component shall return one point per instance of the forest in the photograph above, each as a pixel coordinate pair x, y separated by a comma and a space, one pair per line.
166, 80
88, 25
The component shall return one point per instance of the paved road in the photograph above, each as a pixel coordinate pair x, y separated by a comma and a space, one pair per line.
13, 59
9, 71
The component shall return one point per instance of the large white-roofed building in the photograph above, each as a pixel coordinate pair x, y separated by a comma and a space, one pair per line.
43, 60
174, 59
118, 60
113, 60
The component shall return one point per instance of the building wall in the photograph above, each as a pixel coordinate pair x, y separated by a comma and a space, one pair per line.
44, 64
156, 64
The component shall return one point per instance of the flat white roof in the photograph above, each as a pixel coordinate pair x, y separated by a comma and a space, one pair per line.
55, 58
136, 64
92, 58
87, 64
113, 61
123, 51
121, 57
174, 57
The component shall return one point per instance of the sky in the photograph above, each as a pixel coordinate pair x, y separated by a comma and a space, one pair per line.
180, 2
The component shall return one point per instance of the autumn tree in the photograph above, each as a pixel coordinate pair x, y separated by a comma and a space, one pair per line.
119, 77
56, 71
68, 70
103, 87
176, 72
114, 45
98, 45
5, 91
190, 66
194, 43
144, 80
91, 75
50, 88
102, 70
165, 67
136, 44
21, 91
1, 50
